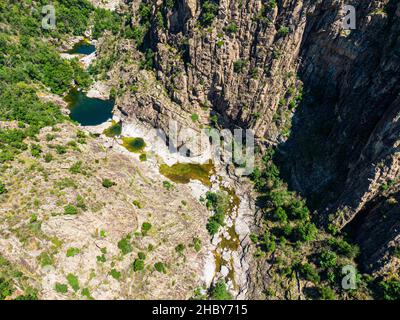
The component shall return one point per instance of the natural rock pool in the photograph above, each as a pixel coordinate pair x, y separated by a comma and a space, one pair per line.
83, 47
88, 111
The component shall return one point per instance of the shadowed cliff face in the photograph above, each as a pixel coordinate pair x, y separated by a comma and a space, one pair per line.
250, 63
343, 149
344, 139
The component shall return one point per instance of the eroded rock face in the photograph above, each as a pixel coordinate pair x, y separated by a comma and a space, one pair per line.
343, 145
343, 150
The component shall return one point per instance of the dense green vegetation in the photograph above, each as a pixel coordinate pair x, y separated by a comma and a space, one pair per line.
30, 63
390, 289
13, 281
72, 17
299, 246
209, 12
218, 202
125, 245
2, 188
220, 291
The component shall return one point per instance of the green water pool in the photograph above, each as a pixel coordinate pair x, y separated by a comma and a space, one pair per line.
88, 111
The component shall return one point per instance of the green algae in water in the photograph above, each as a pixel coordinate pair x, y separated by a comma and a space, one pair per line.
135, 145
218, 261
143, 157
233, 243
184, 172
114, 130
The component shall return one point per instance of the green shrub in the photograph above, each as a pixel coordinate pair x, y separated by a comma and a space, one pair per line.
50, 137
61, 149
344, 248
220, 291
2, 188
105, 20
36, 150
269, 242
194, 117
167, 185
101, 258
45, 259
137, 204
390, 289
197, 244
115, 274
86, 293
72, 252
326, 293
218, 202
107, 183
70, 209
254, 238
146, 226
180, 248
48, 157
212, 226
271, 4
6, 288
76, 167
80, 202
305, 232
283, 31
138, 265
160, 267
148, 61
239, 65
73, 281
396, 252
231, 28
280, 214
327, 259
308, 272
209, 12
61, 288
141, 255
125, 245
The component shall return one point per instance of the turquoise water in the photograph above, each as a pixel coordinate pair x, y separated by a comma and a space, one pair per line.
89, 111
83, 47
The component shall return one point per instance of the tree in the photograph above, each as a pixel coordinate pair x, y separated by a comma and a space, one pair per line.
220, 291
107, 183
2, 188
305, 232
209, 12
280, 214
390, 289
146, 226
73, 281
70, 209
138, 265
160, 267
328, 259
327, 293
125, 245
308, 272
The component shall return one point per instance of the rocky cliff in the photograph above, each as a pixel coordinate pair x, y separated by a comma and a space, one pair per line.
326, 97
